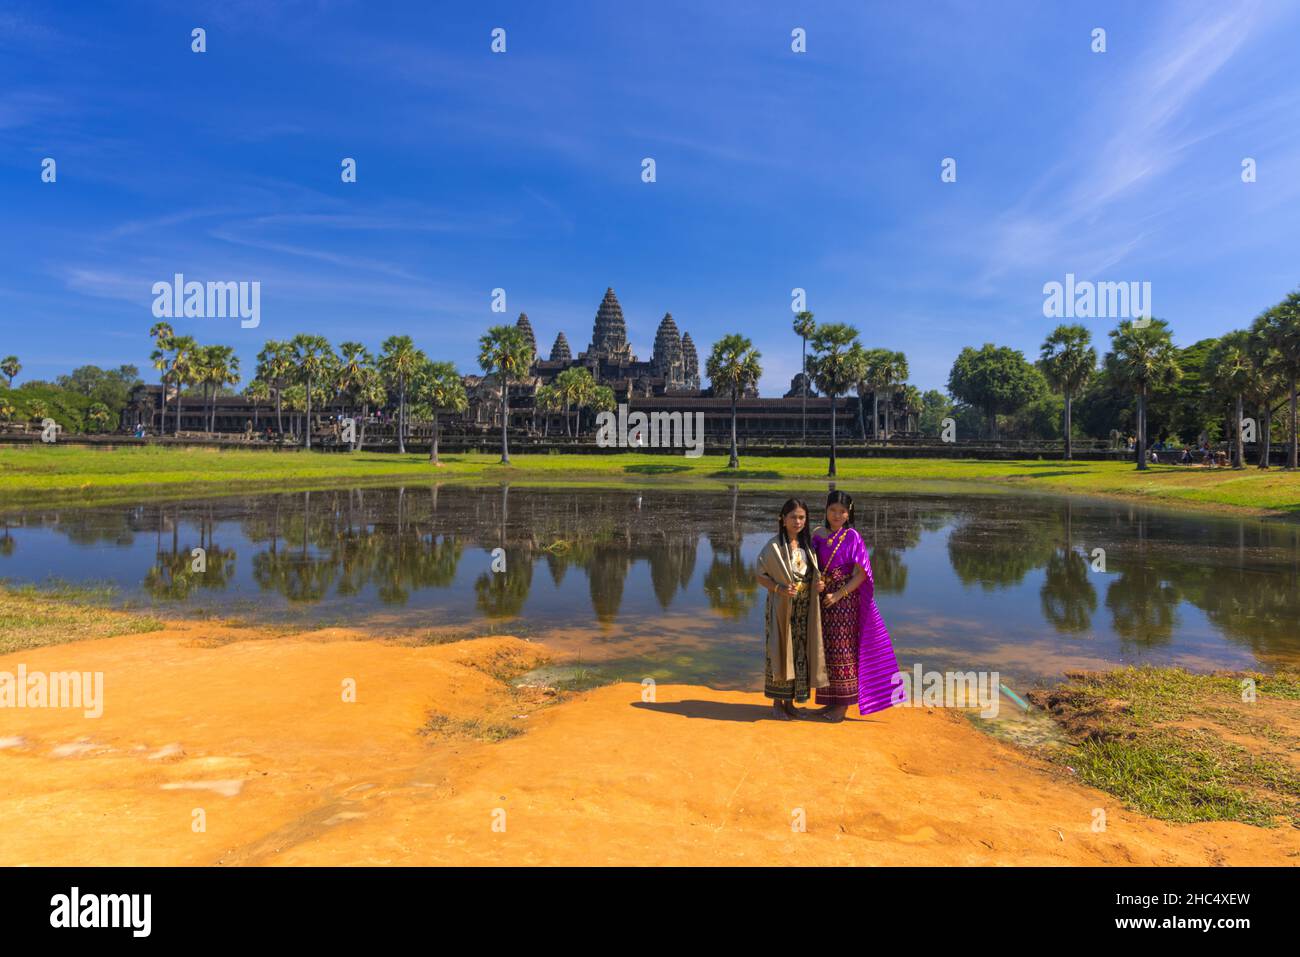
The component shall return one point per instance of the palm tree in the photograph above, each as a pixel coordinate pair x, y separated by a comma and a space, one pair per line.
838, 362
295, 398
891, 373
162, 335
274, 363
258, 392
1231, 371
10, 366
183, 364
584, 397
1266, 384
803, 328
913, 402
1068, 361
571, 386
199, 375
441, 387
1145, 358
353, 357
866, 383
602, 399
878, 372
315, 361
398, 360
370, 392
218, 368
504, 351
732, 368
354, 360
99, 416
1279, 327
548, 401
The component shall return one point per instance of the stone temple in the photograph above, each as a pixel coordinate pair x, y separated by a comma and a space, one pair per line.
670, 381
674, 365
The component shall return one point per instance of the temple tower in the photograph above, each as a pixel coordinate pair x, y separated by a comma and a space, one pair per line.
560, 351
667, 359
690, 364
609, 335
526, 328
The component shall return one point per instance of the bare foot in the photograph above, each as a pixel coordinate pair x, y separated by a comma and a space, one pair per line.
790, 709
779, 712
833, 714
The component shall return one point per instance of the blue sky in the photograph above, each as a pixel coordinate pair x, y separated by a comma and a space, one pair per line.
522, 170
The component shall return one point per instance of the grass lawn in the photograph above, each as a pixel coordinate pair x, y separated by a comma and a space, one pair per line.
36, 475
1181, 746
32, 617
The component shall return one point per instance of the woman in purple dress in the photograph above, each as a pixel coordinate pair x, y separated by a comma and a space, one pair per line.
860, 659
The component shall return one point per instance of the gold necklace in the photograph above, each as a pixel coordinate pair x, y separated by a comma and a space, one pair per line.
799, 567
842, 533
797, 560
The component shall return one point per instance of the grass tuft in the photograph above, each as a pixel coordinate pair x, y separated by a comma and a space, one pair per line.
1181, 746
469, 729
35, 617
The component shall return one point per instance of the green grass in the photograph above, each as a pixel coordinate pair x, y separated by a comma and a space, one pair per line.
33, 617
565, 678
468, 729
1165, 741
1189, 778
66, 474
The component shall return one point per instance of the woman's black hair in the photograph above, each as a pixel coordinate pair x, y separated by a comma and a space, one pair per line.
805, 536
842, 498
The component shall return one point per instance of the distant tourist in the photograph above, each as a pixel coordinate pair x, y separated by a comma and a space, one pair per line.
787, 568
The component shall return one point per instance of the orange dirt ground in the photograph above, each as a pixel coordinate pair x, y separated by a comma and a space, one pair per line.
254, 732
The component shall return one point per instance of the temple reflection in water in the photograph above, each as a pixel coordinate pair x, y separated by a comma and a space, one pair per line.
670, 572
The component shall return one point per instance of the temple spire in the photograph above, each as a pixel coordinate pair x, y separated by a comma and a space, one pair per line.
690, 364
667, 358
609, 334
527, 328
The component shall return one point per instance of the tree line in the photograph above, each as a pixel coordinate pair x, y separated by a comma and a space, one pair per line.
89, 399
1143, 383
1255, 368
305, 373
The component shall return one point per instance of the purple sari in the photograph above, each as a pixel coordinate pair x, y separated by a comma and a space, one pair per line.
858, 649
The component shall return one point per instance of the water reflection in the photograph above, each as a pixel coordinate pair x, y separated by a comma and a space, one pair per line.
662, 568
997, 551
1068, 597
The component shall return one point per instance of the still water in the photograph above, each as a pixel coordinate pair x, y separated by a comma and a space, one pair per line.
660, 582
